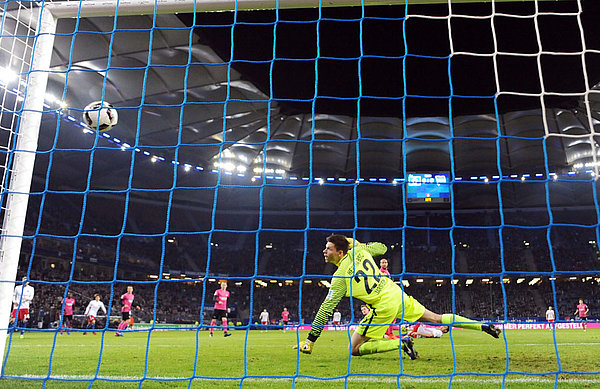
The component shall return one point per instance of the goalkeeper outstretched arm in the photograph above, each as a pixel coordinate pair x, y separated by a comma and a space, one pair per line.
336, 292
373, 248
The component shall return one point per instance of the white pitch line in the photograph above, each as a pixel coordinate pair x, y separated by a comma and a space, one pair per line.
374, 379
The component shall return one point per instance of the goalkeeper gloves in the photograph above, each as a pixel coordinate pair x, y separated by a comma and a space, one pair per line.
306, 347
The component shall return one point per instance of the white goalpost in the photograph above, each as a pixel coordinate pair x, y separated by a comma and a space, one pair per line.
17, 192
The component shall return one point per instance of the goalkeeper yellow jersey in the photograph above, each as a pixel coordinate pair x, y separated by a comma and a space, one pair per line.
358, 276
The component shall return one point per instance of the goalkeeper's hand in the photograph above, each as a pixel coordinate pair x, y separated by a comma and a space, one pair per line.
306, 347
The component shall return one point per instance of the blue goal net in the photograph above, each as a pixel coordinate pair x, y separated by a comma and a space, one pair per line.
170, 171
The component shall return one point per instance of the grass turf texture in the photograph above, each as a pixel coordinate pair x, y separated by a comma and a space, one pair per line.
172, 355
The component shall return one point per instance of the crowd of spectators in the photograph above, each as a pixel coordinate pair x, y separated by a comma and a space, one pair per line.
435, 247
182, 301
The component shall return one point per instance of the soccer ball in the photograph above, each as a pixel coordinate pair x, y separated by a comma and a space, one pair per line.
100, 116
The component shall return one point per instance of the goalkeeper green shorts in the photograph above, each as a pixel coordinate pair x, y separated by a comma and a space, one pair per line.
394, 305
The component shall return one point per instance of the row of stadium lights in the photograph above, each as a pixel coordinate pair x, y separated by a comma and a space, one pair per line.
269, 246
279, 174
525, 243
7, 75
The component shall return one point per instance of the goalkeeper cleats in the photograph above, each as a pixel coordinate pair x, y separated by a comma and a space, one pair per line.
492, 330
408, 347
226, 334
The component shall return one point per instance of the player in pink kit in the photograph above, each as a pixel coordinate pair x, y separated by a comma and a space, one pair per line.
68, 304
220, 311
127, 301
285, 317
383, 264
582, 311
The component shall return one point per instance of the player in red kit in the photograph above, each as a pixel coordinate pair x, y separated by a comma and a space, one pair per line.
68, 304
22, 297
550, 316
421, 331
582, 311
220, 310
127, 301
92, 311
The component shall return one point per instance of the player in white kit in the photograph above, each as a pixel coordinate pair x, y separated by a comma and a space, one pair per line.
92, 311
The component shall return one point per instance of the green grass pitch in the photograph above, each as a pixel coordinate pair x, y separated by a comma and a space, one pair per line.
172, 355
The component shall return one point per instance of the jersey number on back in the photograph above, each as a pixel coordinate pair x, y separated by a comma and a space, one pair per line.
369, 275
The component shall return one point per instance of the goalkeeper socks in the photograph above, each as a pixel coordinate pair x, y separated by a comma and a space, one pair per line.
460, 321
212, 324
379, 346
224, 325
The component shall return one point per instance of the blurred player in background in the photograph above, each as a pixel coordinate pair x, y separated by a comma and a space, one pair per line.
383, 268
422, 331
550, 317
127, 301
67, 305
285, 317
220, 309
337, 318
582, 311
92, 311
264, 318
22, 297
357, 274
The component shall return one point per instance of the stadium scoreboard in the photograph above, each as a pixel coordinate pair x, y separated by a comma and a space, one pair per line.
428, 187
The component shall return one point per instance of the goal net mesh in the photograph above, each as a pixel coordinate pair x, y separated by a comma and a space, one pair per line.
461, 135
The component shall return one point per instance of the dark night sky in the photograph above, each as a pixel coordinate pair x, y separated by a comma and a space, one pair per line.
423, 61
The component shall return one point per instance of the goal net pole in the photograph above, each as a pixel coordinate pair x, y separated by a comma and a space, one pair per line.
23, 159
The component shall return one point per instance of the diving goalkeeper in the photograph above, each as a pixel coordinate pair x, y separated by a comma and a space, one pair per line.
358, 276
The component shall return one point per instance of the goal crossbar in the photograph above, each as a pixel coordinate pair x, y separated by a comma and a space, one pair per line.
94, 8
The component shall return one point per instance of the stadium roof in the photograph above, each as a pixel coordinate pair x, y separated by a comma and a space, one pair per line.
186, 106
